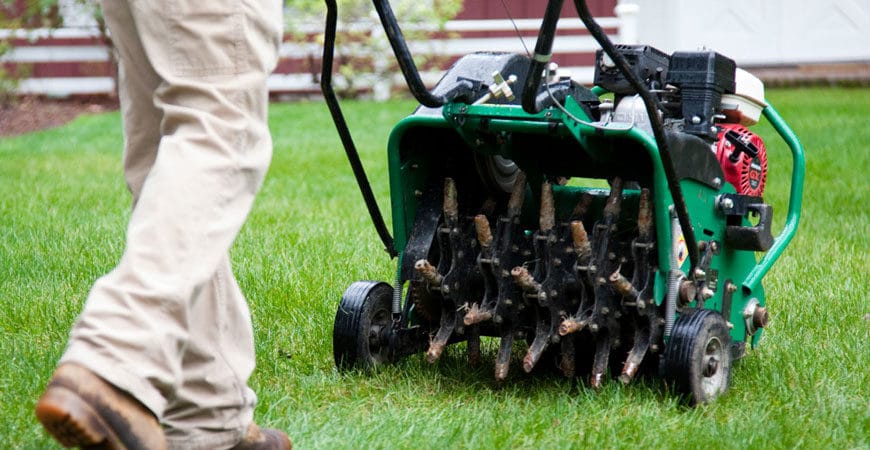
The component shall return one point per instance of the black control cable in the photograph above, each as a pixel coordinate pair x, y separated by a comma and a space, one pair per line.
658, 129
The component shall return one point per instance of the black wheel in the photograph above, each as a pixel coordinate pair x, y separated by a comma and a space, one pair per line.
360, 336
698, 355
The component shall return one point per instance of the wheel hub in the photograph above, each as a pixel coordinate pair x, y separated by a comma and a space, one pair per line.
711, 367
713, 381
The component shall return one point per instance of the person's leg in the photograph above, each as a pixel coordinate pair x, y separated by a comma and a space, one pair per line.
215, 102
78, 406
143, 325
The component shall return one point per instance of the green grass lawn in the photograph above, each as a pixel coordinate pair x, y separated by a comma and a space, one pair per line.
63, 210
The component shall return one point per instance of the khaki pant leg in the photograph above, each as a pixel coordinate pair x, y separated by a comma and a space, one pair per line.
219, 354
155, 316
137, 83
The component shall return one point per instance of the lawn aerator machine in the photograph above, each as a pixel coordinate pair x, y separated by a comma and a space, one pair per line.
600, 233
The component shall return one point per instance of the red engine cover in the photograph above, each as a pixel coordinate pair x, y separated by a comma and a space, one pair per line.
743, 158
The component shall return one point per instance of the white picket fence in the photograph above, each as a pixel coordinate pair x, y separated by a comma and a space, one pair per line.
56, 56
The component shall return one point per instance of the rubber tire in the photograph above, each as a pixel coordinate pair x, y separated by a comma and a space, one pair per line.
698, 335
364, 305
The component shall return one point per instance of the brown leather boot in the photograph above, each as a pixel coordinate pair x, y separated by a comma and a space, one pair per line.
264, 439
80, 409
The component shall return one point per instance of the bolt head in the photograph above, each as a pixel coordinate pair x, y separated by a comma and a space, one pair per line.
760, 317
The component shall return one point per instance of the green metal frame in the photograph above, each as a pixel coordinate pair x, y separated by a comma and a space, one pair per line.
794, 199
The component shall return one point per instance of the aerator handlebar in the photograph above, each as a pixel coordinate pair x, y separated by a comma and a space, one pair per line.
541, 58
344, 133
794, 199
415, 84
403, 56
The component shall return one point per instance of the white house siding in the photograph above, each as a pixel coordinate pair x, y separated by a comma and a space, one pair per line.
760, 32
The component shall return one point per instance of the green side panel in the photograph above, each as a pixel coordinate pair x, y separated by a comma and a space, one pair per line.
727, 265
414, 146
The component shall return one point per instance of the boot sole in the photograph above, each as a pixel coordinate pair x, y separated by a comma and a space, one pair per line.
73, 422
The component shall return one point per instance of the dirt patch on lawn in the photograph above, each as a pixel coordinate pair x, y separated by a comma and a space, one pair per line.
28, 114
